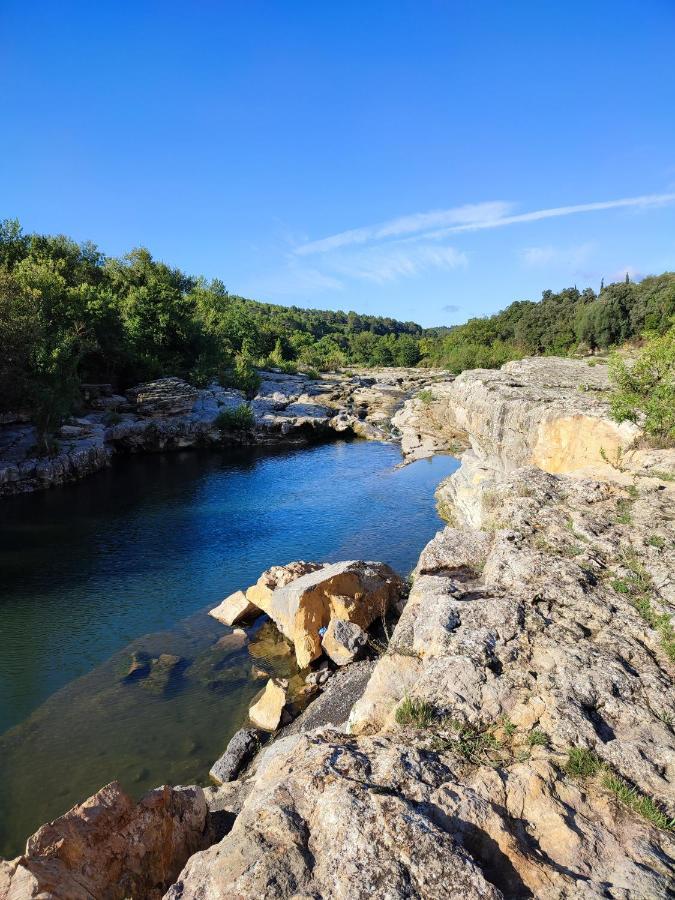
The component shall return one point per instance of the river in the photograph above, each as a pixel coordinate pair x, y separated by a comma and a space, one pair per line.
129, 560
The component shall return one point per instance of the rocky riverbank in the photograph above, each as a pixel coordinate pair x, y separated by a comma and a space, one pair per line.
514, 737
170, 414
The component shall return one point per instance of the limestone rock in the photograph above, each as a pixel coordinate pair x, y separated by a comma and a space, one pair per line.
266, 712
239, 751
111, 847
233, 609
334, 828
164, 397
260, 594
344, 641
353, 590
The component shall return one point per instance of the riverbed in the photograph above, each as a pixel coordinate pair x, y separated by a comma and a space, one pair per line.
128, 561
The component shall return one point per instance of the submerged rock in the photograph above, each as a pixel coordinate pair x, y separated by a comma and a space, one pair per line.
110, 847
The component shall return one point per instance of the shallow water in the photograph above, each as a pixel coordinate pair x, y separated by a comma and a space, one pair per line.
129, 560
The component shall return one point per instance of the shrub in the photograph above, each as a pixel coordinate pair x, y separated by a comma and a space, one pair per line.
645, 391
237, 419
425, 396
243, 376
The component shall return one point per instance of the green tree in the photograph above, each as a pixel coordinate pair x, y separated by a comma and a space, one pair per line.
644, 392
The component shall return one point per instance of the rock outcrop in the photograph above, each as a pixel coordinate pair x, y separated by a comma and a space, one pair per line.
110, 847
516, 738
170, 414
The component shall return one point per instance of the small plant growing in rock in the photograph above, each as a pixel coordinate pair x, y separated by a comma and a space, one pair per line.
655, 540
112, 417
582, 763
637, 584
623, 512
537, 738
415, 712
425, 396
637, 802
617, 462
238, 419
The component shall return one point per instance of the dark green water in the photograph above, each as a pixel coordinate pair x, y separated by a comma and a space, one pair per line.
129, 560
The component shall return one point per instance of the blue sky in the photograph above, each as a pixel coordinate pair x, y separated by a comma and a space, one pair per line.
427, 160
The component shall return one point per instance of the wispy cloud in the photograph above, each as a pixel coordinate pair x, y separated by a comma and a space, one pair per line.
471, 217
567, 257
450, 308
393, 261
468, 215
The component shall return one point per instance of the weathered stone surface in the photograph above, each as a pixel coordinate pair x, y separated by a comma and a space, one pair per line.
170, 414
335, 841
266, 712
233, 609
238, 753
354, 591
110, 847
544, 411
344, 641
260, 594
163, 397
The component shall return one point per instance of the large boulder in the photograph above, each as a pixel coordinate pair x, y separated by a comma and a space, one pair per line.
260, 594
110, 847
354, 591
233, 609
266, 712
163, 397
238, 752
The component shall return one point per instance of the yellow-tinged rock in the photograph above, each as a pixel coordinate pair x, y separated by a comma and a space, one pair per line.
260, 594
266, 713
234, 609
353, 591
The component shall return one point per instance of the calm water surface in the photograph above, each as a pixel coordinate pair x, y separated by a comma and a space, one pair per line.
128, 561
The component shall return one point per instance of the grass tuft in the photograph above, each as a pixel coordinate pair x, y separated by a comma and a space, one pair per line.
637, 802
414, 712
582, 763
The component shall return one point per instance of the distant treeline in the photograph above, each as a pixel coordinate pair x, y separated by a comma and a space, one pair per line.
69, 315
558, 324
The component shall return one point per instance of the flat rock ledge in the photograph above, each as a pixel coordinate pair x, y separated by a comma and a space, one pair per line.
170, 414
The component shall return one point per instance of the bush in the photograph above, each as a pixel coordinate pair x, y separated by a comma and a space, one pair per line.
244, 376
645, 392
238, 419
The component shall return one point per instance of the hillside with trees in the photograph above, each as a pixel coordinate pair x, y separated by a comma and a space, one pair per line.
70, 315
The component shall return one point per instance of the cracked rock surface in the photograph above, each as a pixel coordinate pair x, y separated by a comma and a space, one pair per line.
537, 624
